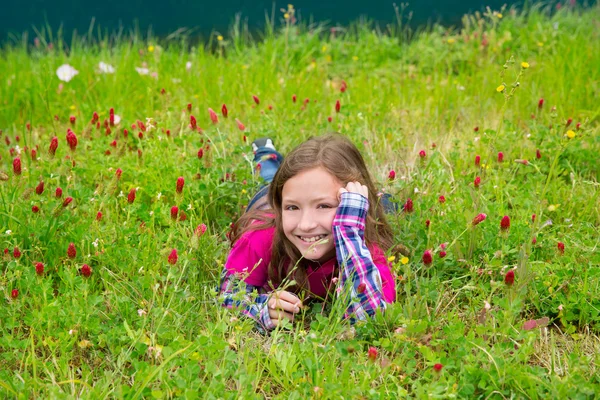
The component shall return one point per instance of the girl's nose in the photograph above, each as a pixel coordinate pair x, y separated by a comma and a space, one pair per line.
307, 222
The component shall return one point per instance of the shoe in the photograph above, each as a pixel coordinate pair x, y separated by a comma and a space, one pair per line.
262, 142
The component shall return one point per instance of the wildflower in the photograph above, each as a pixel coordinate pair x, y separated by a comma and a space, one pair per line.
442, 253
14, 293
372, 353
224, 111
200, 154
16, 253
174, 212
72, 140
200, 229
213, 115
35, 209
500, 89
118, 173
408, 206
179, 185
343, 86
570, 134
193, 123
105, 68
256, 99
39, 268
532, 217
534, 240
392, 175
240, 126
476, 129
442, 199
422, 154
39, 189
505, 223
17, 166
479, 218
438, 367
524, 162
99, 216
538, 154
361, 287
561, 247
182, 216
86, 271
569, 122
500, 156
427, 223
67, 201
142, 70
477, 182
66, 72
338, 106
58, 193
477, 160
72, 120
71, 252
540, 103
330, 119
509, 278
34, 154
173, 257
150, 49
294, 98
524, 65
131, 195
427, 257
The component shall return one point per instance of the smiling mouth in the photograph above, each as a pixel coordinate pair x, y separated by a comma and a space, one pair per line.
311, 239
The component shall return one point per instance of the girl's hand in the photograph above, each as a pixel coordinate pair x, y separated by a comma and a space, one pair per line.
283, 305
355, 187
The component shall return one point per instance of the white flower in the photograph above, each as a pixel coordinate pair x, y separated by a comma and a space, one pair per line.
188, 66
175, 80
105, 68
150, 124
189, 207
151, 212
142, 71
95, 242
487, 305
65, 72
158, 196
117, 119
121, 194
92, 199
18, 149
416, 190
141, 312
8, 232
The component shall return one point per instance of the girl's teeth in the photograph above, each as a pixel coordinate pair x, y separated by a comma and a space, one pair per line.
311, 240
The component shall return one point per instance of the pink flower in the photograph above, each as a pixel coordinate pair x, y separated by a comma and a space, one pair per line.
35, 209
392, 175
477, 182
213, 115
505, 223
422, 154
427, 257
131, 196
372, 353
477, 160
58, 193
72, 119
442, 199
442, 253
179, 185
14, 293
174, 212
118, 173
438, 367
72, 140
86, 271
343, 87
39, 268
256, 99
509, 278
540, 103
200, 154
53, 146
524, 162
193, 123
71, 252
561, 247
538, 154
294, 98
569, 122
224, 111
427, 223
408, 206
67, 201
338, 106
39, 189
99, 216
200, 229
17, 166
189, 107
16, 253
500, 156
240, 126
173, 257
479, 218
532, 217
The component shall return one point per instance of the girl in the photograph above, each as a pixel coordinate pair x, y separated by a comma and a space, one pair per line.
324, 230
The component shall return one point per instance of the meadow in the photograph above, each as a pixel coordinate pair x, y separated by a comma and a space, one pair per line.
485, 135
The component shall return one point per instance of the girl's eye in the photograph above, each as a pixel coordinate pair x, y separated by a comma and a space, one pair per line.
324, 206
290, 208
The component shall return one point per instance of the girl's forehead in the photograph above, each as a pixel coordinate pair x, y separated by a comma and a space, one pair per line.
311, 182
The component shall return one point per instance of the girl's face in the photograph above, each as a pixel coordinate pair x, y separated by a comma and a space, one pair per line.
309, 204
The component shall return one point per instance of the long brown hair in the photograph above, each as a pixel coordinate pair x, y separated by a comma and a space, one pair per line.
338, 156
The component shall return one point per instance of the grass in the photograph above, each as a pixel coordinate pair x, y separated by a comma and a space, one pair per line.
141, 327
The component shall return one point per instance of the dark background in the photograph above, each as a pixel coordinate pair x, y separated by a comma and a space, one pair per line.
166, 16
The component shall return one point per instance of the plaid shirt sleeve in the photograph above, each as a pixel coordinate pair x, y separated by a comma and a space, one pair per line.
249, 299
357, 268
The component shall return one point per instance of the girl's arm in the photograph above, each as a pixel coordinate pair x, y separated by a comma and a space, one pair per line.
355, 259
249, 299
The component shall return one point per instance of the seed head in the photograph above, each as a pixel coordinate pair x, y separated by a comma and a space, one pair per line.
509, 278
179, 185
173, 257
71, 252
427, 257
17, 166
86, 271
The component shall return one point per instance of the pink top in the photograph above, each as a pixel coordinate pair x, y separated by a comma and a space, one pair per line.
251, 254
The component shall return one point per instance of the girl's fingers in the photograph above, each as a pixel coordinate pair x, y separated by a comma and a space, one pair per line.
287, 302
277, 315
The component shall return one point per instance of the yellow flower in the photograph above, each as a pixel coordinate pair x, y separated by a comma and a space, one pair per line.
570, 134
404, 260
244, 191
553, 207
72, 108
391, 258
499, 15
323, 49
151, 49
328, 58
451, 40
286, 15
500, 88
540, 44
219, 38
355, 58
525, 65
